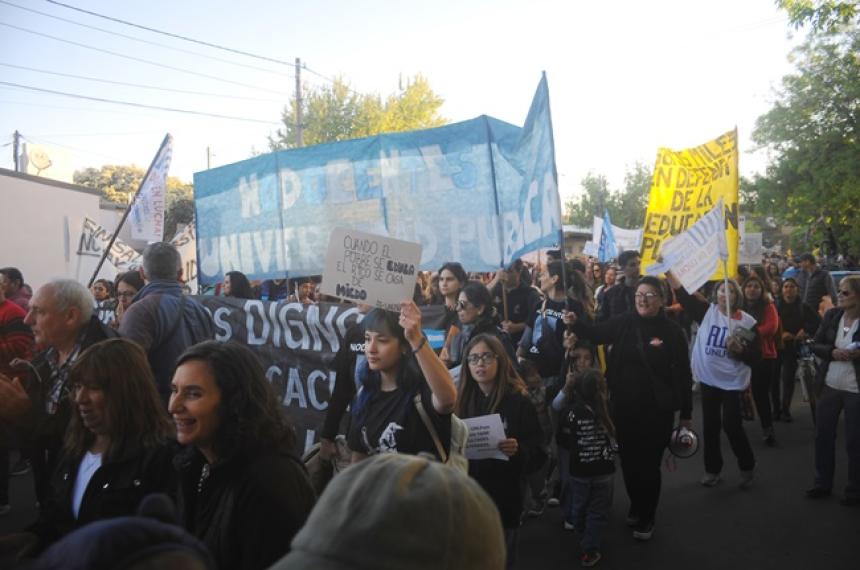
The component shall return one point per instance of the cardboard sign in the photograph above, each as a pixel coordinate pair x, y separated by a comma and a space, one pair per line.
370, 269
485, 433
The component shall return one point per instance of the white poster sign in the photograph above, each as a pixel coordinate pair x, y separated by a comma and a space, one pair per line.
485, 433
94, 240
370, 269
750, 248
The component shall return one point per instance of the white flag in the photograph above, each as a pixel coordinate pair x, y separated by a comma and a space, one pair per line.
693, 254
147, 212
94, 240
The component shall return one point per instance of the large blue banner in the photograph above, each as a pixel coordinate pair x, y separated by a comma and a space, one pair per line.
482, 192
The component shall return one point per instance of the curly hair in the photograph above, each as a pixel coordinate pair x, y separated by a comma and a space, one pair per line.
135, 414
251, 417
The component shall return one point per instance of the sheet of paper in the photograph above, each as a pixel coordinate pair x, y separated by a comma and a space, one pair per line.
485, 433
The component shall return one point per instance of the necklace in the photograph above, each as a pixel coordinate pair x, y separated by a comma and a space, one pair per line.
204, 474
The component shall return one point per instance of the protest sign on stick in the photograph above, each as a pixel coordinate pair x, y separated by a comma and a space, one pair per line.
370, 269
686, 185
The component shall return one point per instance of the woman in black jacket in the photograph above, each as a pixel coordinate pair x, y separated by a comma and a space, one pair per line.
242, 491
837, 343
118, 446
477, 315
649, 379
489, 385
799, 322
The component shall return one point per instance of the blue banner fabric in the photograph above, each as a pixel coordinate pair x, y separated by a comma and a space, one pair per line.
482, 192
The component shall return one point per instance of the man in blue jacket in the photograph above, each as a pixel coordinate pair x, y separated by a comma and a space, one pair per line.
161, 319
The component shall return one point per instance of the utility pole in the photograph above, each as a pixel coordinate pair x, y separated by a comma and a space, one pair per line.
16, 141
299, 127
208, 158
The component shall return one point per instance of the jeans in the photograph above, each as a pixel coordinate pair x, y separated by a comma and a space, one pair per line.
721, 409
762, 373
642, 439
830, 405
591, 501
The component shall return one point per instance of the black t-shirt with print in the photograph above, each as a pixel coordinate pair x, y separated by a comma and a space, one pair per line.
393, 425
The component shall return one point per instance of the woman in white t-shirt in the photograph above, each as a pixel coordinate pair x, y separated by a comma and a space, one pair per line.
837, 343
723, 376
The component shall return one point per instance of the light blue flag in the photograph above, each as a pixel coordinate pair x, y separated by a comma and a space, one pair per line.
607, 249
482, 192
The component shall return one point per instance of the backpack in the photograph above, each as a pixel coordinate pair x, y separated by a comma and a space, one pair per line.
456, 458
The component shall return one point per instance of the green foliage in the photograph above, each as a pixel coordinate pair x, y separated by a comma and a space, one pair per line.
336, 113
821, 15
626, 207
118, 183
811, 133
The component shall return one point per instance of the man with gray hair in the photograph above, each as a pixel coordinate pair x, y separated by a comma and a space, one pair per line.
161, 319
63, 321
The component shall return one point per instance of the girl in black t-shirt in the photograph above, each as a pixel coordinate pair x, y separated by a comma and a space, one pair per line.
400, 366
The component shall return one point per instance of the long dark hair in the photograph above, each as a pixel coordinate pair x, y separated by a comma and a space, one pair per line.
590, 388
756, 307
135, 415
240, 287
507, 380
252, 418
408, 374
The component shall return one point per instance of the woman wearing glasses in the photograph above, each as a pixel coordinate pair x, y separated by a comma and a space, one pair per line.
477, 316
837, 343
649, 379
489, 385
126, 286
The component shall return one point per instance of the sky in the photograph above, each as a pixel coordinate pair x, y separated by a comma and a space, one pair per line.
625, 77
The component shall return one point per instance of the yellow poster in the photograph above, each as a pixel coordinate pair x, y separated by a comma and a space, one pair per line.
686, 185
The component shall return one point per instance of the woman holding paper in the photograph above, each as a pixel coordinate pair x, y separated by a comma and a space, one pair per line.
724, 377
489, 385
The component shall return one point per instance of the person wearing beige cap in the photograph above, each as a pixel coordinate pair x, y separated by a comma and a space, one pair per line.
395, 511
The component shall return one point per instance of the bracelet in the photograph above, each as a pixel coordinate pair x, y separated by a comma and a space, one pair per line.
420, 345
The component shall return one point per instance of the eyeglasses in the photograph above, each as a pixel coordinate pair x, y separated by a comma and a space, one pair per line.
462, 305
646, 296
483, 358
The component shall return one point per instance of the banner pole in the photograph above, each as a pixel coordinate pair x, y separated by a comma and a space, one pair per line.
727, 293
127, 212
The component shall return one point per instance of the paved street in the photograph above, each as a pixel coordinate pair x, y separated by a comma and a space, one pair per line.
771, 526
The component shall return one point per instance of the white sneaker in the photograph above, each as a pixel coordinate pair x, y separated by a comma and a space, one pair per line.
569, 526
710, 479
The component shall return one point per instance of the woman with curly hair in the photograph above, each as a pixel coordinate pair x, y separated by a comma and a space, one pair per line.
242, 491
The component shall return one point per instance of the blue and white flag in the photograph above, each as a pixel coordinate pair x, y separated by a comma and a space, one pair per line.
482, 192
147, 211
693, 254
606, 249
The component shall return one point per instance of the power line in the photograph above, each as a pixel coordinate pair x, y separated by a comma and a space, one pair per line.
280, 74
139, 85
172, 35
140, 105
138, 59
185, 38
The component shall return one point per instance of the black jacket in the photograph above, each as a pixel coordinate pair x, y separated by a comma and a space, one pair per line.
116, 489
825, 341
249, 507
795, 317
649, 365
485, 324
617, 301
503, 480
814, 287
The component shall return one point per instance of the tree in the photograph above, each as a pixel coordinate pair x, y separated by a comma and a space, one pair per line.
821, 15
813, 179
118, 183
337, 112
626, 207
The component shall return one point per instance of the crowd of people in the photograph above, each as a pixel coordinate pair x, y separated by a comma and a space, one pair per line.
142, 431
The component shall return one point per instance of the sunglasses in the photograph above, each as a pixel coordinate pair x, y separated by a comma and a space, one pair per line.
462, 305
